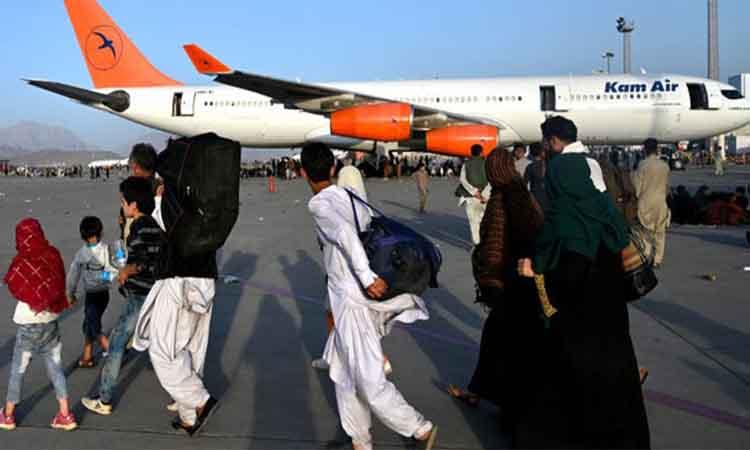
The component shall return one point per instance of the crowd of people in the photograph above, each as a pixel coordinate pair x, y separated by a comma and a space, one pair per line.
548, 231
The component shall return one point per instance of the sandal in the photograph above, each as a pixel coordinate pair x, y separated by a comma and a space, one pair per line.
643, 374
467, 397
86, 363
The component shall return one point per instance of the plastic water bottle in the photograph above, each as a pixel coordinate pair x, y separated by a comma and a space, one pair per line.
106, 276
119, 257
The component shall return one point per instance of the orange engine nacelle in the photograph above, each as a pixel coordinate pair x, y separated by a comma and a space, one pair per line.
378, 122
457, 140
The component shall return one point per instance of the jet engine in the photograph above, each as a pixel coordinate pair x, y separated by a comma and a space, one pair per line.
385, 122
457, 140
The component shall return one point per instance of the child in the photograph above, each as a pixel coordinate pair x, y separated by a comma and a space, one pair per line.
92, 264
353, 351
36, 278
144, 245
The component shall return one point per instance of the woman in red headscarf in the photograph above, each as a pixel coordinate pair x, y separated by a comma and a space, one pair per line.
36, 275
36, 278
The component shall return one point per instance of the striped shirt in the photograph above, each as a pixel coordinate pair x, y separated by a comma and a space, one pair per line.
145, 244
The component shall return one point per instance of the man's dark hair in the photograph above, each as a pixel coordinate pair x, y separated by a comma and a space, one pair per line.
91, 226
518, 145
561, 128
317, 160
145, 156
740, 190
536, 150
476, 150
138, 190
651, 146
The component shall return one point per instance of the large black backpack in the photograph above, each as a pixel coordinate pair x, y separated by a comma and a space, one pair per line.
405, 259
201, 194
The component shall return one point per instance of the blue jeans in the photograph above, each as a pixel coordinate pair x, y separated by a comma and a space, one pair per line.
37, 339
118, 340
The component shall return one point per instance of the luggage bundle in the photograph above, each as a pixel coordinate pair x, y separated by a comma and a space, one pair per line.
201, 201
405, 259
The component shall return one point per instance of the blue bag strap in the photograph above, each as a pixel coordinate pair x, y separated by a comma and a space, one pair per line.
354, 210
354, 196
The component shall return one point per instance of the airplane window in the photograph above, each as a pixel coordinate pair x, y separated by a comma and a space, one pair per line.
476, 99
578, 97
500, 99
618, 97
520, 99
437, 100
732, 94
598, 97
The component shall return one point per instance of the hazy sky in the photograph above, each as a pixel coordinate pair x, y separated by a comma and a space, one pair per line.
338, 40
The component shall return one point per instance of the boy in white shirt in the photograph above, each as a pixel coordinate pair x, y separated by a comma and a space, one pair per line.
353, 351
92, 265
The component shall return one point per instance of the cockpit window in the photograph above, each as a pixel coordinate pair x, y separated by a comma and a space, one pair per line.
732, 94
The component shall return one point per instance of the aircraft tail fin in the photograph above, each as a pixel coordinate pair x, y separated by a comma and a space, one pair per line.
112, 58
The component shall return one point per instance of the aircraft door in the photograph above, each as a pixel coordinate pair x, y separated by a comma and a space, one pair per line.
698, 96
183, 104
548, 98
554, 98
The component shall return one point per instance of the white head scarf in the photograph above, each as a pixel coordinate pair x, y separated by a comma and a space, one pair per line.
350, 178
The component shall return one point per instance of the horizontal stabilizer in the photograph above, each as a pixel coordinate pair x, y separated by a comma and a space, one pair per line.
118, 101
204, 62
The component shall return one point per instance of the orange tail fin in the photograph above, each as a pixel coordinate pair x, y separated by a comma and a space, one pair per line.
113, 60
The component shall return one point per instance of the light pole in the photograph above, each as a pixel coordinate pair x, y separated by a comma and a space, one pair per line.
608, 56
626, 28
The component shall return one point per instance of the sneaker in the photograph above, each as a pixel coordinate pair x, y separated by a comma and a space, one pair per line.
172, 407
320, 364
97, 406
61, 422
7, 423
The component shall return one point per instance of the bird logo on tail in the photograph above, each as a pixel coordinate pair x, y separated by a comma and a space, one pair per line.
104, 47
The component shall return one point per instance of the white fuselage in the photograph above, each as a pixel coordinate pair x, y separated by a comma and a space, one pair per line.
608, 109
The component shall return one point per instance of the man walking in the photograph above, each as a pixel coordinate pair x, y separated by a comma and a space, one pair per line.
476, 190
651, 182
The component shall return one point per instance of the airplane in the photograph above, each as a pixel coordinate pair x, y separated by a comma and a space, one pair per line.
439, 116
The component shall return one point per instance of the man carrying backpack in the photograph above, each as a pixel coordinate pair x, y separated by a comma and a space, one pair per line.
198, 209
353, 350
474, 190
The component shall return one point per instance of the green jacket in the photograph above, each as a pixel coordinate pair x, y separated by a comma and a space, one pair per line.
580, 217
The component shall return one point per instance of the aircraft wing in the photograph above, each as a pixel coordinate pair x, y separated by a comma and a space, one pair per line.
318, 99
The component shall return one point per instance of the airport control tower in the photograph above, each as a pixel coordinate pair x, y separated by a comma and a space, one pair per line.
713, 39
626, 28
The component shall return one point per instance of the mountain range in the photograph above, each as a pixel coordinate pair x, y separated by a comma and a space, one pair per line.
26, 137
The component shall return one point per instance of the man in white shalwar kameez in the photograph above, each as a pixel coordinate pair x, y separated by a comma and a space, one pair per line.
353, 350
174, 326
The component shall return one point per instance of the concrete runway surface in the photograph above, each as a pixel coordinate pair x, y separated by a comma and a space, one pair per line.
691, 333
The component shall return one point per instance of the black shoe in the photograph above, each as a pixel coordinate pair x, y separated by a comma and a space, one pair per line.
179, 426
208, 409
202, 419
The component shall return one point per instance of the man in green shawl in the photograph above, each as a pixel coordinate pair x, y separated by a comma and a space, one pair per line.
590, 395
582, 216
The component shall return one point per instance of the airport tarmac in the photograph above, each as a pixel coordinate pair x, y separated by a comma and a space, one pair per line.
691, 333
